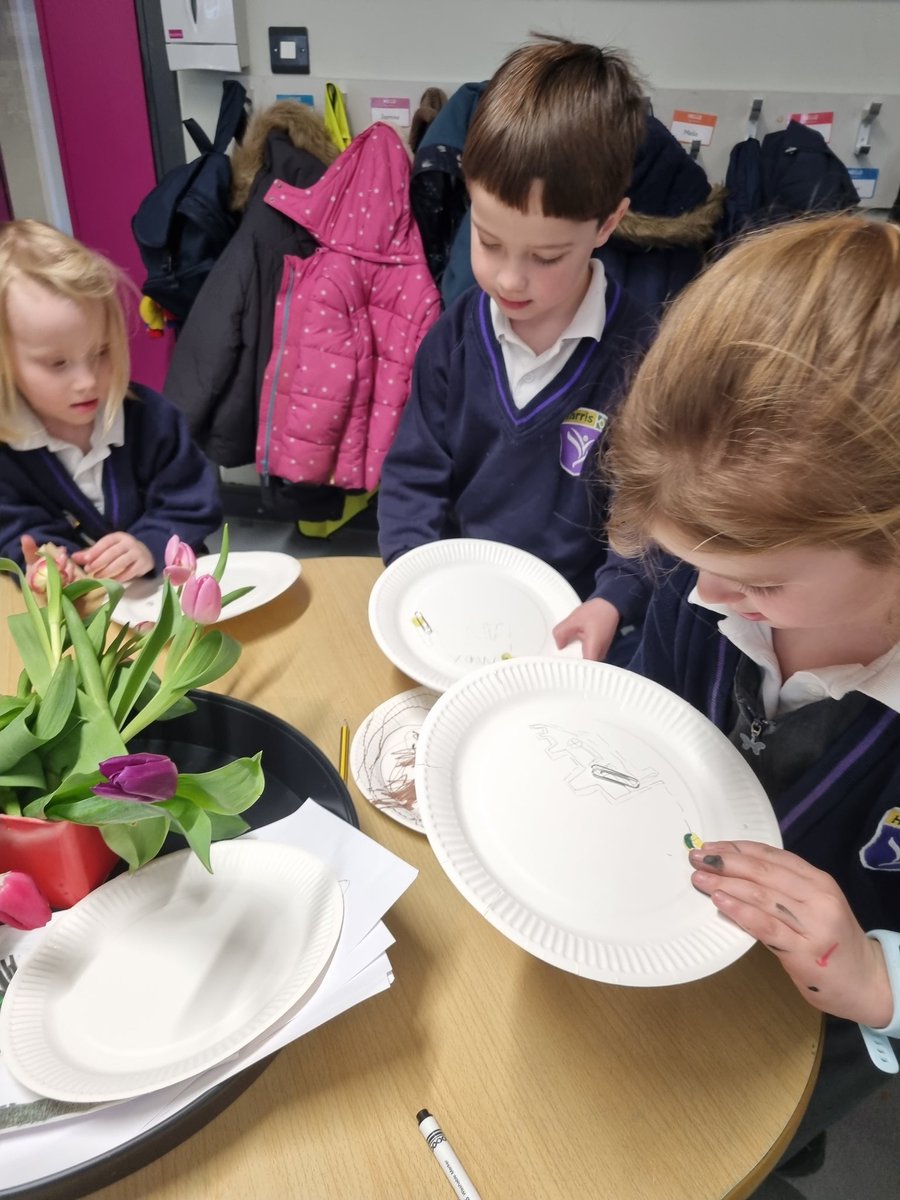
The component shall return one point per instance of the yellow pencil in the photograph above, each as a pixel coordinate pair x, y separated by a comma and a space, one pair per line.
344, 751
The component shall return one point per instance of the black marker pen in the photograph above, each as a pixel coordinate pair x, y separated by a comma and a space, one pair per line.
446, 1156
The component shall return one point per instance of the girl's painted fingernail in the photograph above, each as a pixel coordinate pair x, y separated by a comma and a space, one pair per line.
713, 860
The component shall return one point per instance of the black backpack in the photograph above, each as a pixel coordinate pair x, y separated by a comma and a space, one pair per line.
184, 224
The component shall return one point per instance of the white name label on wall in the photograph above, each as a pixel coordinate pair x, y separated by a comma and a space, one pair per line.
391, 108
693, 126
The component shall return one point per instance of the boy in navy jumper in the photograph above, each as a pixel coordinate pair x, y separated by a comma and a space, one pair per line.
514, 386
103, 471
759, 445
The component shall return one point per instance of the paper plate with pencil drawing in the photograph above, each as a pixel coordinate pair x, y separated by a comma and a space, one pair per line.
383, 755
561, 797
443, 609
267, 572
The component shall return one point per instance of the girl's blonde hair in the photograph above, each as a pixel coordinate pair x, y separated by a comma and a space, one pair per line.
31, 250
767, 412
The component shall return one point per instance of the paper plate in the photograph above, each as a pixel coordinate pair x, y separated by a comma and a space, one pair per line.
160, 975
266, 571
383, 752
442, 610
557, 796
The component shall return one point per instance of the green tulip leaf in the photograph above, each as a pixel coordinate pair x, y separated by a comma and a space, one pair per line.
230, 789
58, 702
27, 773
102, 810
10, 707
85, 654
90, 737
219, 569
194, 824
236, 595
138, 843
143, 666
206, 660
224, 827
29, 632
17, 738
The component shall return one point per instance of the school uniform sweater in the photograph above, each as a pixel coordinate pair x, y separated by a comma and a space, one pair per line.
466, 462
155, 484
842, 812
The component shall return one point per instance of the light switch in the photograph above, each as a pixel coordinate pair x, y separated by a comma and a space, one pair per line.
289, 49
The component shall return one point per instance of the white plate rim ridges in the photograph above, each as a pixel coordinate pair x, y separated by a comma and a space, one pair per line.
409, 567
718, 944
284, 570
26, 1048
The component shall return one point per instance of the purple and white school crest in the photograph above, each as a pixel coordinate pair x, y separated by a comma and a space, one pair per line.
882, 852
578, 434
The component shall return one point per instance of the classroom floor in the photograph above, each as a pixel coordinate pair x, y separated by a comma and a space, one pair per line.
862, 1161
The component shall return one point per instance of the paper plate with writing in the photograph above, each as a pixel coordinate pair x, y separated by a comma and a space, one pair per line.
383, 755
443, 609
558, 794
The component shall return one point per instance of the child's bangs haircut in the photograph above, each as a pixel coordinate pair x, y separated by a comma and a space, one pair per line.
566, 114
767, 412
31, 250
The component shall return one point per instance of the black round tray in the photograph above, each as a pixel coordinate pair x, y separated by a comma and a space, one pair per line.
220, 730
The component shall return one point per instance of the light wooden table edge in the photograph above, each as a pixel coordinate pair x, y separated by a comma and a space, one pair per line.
766, 1165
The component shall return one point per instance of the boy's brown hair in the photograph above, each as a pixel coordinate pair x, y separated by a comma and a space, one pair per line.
767, 412
563, 113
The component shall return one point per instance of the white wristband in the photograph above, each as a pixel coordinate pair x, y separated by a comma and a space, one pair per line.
880, 1049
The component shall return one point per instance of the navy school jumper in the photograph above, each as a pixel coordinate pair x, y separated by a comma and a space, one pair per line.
467, 463
155, 484
843, 813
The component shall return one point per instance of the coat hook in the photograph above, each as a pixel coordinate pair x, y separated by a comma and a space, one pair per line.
753, 120
695, 148
862, 147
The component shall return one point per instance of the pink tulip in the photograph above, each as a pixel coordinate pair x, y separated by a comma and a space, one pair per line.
22, 905
36, 572
181, 561
201, 599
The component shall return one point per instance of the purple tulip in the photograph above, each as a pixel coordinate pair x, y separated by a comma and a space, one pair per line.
22, 904
201, 599
181, 561
143, 777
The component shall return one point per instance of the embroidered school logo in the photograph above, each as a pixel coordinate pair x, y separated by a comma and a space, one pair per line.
578, 434
882, 853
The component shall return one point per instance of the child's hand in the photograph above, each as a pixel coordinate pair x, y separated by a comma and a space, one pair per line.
116, 556
594, 624
803, 917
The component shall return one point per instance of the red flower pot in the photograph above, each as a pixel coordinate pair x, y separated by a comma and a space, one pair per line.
65, 860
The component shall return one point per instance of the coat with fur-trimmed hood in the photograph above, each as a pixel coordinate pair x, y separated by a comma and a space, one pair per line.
348, 320
221, 354
658, 247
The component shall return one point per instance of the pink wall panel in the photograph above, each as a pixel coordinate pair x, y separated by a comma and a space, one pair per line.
93, 64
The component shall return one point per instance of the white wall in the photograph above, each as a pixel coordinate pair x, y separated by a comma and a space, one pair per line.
710, 56
846, 45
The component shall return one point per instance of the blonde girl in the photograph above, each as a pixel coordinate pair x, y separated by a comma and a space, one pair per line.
760, 446
90, 463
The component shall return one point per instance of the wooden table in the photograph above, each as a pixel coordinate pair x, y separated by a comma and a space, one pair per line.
546, 1084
